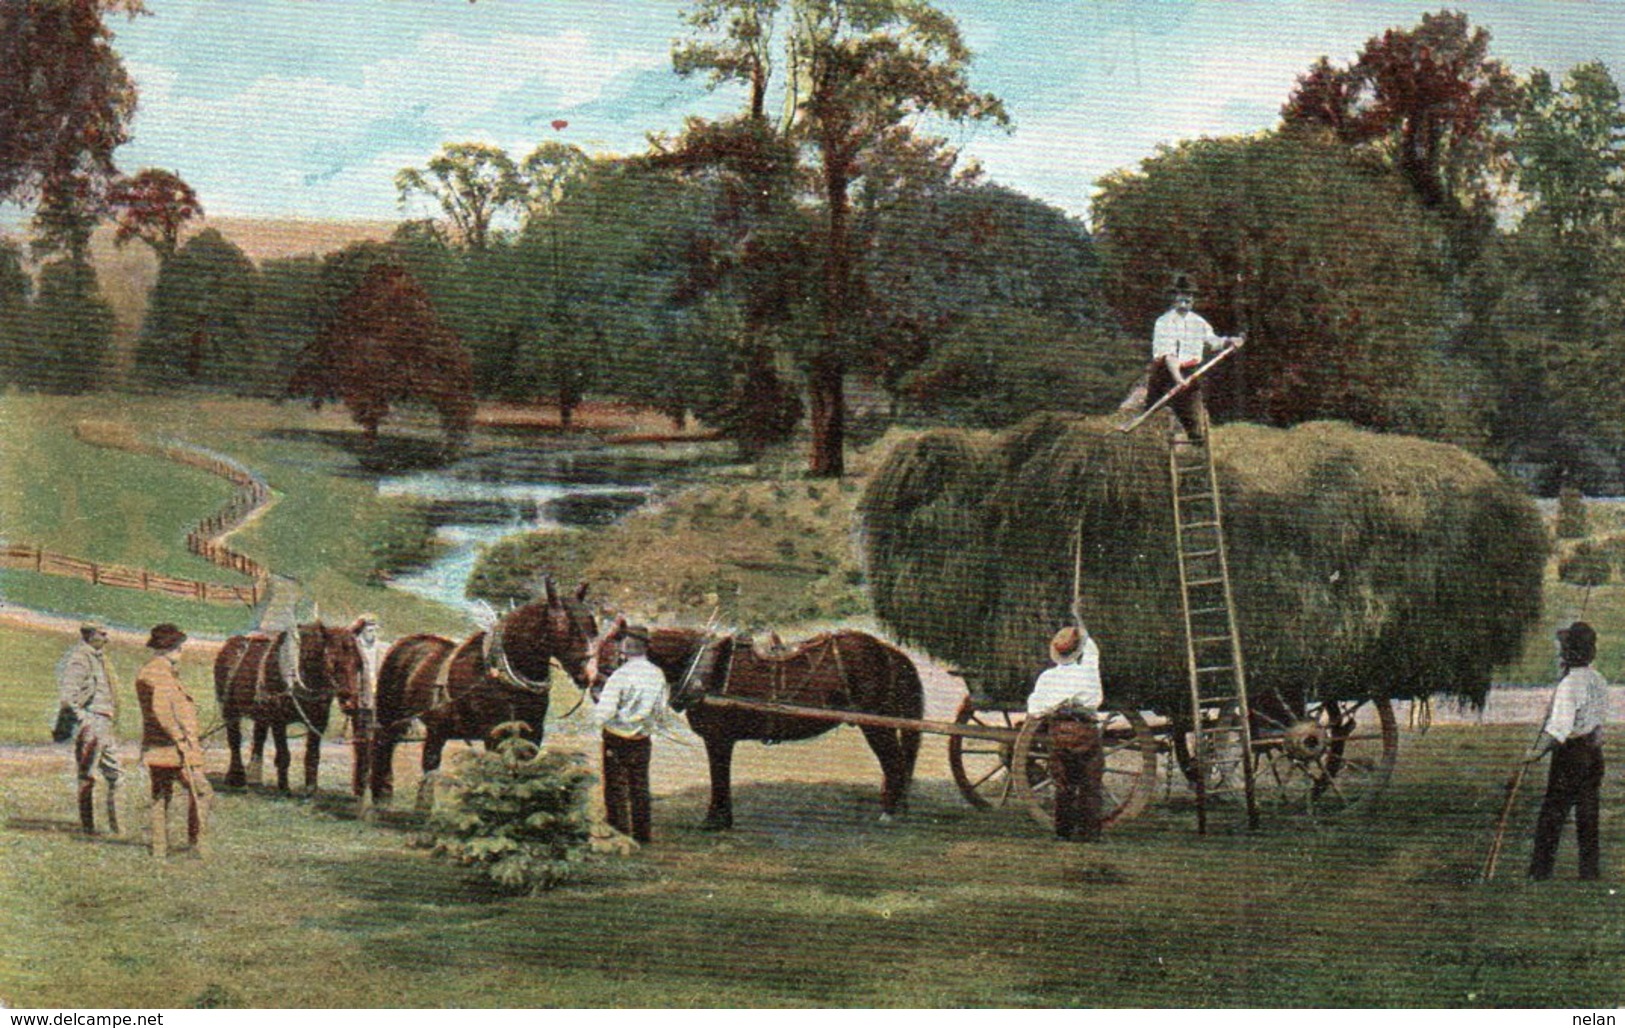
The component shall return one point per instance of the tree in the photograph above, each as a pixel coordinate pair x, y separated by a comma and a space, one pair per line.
284, 323
70, 329
65, 98
1430, 98
547, 172
1329, 267
857, 75
385, 346
16, 367
152, 206
472, 183
199, 321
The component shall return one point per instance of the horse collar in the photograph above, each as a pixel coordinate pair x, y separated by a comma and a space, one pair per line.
498, 665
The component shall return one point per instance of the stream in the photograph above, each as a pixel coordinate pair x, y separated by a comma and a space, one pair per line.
483, 498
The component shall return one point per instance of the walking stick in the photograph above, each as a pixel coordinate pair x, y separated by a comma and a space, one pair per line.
1501, 824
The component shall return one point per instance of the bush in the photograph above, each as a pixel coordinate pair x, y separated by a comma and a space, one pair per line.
1587, 566
518, 813
1571, 514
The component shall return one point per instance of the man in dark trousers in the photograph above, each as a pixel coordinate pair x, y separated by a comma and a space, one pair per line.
1069, 694
1573, 736
629, 709
1179, 341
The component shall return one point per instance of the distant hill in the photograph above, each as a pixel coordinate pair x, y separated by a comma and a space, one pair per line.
127, 274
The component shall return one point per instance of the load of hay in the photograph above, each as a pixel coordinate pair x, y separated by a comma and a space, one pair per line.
1363, 565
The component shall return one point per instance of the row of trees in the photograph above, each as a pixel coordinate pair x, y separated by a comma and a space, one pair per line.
1425, 243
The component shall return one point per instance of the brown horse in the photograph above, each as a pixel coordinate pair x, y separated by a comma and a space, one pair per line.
463, 691
838, 671
253, 679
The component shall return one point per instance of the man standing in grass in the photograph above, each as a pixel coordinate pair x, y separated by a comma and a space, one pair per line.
171, 744
1069, 694
366, 711
629, 709
85, 689
1573, 736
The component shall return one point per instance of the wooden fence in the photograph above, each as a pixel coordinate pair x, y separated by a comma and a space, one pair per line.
202, 539
33, 558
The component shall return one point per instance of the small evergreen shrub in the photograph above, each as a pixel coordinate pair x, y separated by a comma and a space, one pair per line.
519, 813
1571, 514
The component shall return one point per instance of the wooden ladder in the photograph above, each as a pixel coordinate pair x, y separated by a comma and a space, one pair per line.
1222, 741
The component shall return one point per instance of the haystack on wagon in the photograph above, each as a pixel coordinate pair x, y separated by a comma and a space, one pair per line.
1362, 568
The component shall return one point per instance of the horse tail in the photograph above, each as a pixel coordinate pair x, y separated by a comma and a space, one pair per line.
226, 665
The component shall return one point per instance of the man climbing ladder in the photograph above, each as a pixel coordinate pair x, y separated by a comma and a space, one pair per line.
1220, 737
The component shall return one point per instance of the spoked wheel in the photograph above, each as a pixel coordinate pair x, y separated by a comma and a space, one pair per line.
981, 767
1323, 758
1127, 782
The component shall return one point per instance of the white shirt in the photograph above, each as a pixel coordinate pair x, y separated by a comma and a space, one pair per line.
1186, 336
633, 699
1076, 684
1578, 705
371, 657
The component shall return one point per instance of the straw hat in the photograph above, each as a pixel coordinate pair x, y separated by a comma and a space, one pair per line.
1066, 645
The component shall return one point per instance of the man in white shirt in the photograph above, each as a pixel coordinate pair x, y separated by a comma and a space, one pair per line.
629, 709
365, 630
1179, 341
1573, 735
1069, 694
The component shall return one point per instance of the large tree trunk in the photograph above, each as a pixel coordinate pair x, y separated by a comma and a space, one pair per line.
826, 370
826, 390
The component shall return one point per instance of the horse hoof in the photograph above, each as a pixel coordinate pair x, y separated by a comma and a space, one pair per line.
235, 780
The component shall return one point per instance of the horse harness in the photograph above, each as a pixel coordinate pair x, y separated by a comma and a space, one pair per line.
779, 664
499, 673
293, 682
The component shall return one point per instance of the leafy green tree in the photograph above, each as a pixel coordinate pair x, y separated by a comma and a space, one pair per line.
857, 75
547, 172
994, 368
199, 321
1330, 268
70, 330
284, 323
15, 289
472, 183
153, 206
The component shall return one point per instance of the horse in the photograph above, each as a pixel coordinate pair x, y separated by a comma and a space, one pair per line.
843, 670
254, 678
463, 691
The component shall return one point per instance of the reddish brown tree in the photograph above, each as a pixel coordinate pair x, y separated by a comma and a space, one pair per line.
1431, 96
152, 206
386, 346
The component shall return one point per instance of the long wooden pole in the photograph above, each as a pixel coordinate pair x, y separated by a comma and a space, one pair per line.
992, 733
1180, 390
1501, 823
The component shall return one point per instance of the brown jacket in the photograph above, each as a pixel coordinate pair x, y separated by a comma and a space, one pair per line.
169, 728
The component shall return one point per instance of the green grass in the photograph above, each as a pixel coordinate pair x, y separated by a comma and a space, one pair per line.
28, 699
328, 529
811, 903
99, 504
129, 608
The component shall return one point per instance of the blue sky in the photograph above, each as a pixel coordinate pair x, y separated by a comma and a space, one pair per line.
307, 108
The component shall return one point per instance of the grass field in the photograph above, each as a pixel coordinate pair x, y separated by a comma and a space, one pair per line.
810, 902
328, 528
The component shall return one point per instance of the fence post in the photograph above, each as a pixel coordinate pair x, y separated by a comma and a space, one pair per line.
39, 560
95, 574
144, 586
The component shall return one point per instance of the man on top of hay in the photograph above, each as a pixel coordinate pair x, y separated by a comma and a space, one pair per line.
1070, 694
1179, 341
1573, 735
89, 708
629, 709
171, 745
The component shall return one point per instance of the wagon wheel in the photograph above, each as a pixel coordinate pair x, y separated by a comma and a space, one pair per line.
981, 767
1324, 758
1126, 785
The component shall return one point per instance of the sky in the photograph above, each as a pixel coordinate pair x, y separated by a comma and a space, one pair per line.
308, 108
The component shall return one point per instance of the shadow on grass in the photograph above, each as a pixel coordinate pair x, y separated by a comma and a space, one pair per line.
388, 454
50, 826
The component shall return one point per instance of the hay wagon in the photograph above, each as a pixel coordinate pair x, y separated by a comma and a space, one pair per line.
1346, 571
